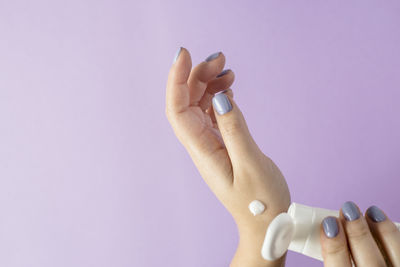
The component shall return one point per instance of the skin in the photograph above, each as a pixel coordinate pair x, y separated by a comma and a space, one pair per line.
224, 152
368, 243
237, 172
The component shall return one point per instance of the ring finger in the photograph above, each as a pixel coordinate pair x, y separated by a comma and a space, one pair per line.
386, 234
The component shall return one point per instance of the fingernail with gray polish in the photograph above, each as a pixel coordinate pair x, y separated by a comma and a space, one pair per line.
350, 211
223, 73
330, 226
213, 56
375, 214
177, 54
221, 104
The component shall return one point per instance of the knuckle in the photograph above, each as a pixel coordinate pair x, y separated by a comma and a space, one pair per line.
389, 231
232, 127
335, 248
359, 232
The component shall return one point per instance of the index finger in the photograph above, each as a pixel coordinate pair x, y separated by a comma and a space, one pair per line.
335, 251
177, 98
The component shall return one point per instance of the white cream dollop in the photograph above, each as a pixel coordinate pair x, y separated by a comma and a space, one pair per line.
256, 207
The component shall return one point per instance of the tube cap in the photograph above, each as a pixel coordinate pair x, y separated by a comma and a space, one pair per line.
278, 237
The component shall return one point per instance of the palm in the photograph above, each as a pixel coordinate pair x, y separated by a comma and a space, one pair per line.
189, 98
200, 125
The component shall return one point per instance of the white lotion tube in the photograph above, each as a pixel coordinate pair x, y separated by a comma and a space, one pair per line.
297, 230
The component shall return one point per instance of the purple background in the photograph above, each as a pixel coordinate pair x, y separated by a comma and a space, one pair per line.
91, 173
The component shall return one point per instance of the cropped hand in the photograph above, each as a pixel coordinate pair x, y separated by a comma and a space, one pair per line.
370, 240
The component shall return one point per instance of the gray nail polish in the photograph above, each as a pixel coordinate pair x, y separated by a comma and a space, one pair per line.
375, 214
177, 54
221, 104
330, 226
223, 73
350, 211
213, 56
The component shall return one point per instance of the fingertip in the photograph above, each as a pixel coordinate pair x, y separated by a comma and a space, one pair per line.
222, 96
378, 221
214, 56
333, 243
223, 73
181, 67
182, 55
215, 62
177, 95
375, 214
178, 52
221, 82
386, 234
332, 230
330, 226
350, 211
221, 103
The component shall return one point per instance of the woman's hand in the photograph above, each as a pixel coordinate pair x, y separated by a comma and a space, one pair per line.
372, 240
214, 132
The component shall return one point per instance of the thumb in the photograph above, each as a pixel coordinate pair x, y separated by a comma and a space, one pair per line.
233, 128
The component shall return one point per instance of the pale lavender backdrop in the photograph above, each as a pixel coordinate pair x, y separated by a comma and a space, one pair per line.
90, 171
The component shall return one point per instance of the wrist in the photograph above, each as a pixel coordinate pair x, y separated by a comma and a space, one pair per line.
252, 232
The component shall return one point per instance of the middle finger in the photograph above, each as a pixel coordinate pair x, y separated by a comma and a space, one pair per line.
363, 247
